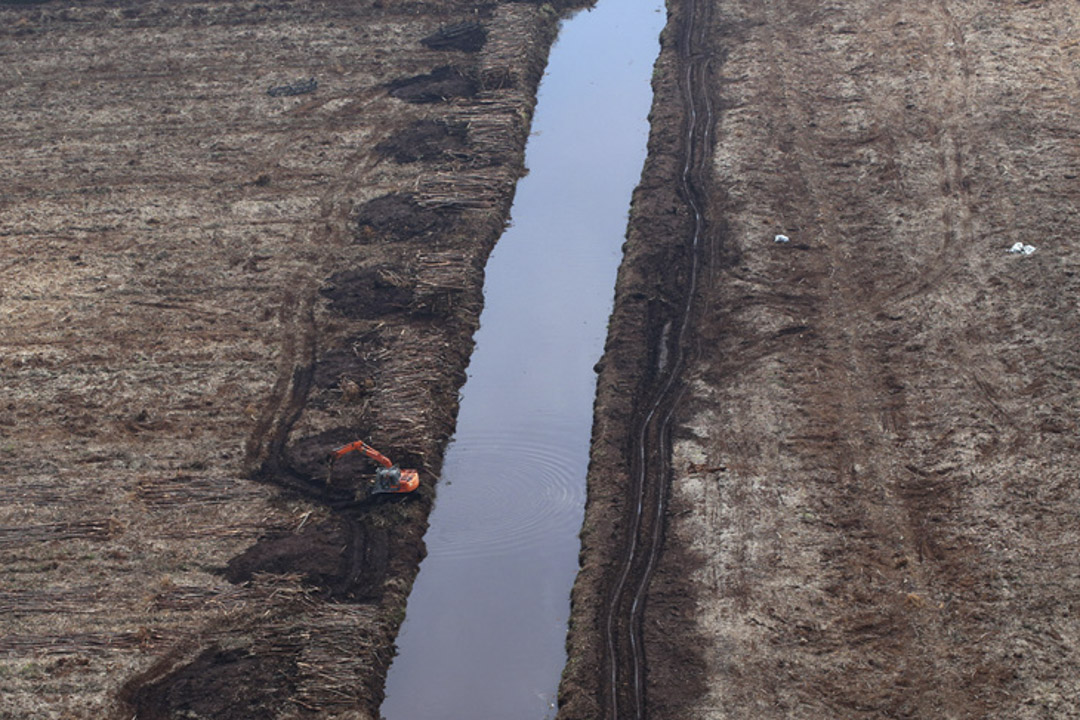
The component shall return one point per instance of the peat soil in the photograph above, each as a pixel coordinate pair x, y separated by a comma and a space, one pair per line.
873, 477
649, 300
235, 235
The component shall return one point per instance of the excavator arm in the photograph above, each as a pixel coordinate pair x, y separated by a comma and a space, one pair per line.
362, 447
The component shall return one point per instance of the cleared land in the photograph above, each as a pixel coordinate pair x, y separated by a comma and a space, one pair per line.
873, 494
233, 236
872, 491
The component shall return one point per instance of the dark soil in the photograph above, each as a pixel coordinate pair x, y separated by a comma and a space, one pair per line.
317, 553
219, 684
344, 558
368, 293
428, 140
347, 364
466, 36
398, 217
442, 84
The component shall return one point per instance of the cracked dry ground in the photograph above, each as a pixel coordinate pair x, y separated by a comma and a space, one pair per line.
206, 288
875, 494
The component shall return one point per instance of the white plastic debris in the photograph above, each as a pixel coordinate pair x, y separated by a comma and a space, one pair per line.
781, 239
1021, 249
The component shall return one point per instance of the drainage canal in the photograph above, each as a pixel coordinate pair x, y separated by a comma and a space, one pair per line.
485, 626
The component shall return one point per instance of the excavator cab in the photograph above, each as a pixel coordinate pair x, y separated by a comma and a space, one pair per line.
394, 480
389, 478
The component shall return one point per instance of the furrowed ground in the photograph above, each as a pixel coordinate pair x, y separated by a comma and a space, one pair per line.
873, 505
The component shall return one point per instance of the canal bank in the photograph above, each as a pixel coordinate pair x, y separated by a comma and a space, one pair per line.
622, 533
486, 620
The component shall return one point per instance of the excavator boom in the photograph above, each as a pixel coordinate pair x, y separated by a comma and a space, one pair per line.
362, 447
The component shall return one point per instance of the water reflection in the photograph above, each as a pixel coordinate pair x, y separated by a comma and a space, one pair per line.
486, 624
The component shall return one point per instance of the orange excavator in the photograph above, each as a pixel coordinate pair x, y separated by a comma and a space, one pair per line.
389, 479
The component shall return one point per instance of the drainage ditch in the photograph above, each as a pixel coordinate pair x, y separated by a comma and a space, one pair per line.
485, 626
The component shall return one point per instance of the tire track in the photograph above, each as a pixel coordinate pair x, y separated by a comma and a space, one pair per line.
624, 678
958, 216
859, 451
289, 393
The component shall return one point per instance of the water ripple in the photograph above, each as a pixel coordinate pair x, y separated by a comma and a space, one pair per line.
520, 489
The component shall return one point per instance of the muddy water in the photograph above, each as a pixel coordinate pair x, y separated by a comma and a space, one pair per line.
486, 621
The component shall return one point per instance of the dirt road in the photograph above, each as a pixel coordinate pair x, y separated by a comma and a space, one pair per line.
873, 485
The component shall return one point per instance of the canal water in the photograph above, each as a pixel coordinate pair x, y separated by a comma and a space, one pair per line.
485, 627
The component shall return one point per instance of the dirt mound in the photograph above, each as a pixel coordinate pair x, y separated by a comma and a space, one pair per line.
345, 556
466, 36
342, 557
220, 684
397, 217
368, 293
307, 456
343, 365
426, 140
441, 84
316, 554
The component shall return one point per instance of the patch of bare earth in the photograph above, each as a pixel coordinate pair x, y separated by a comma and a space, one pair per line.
234, 235
873, 511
